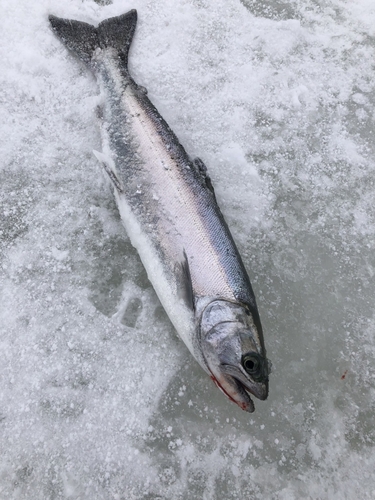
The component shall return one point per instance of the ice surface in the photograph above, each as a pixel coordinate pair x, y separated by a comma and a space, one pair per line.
99, 398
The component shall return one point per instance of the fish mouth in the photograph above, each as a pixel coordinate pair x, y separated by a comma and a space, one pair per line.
238, 394
238, 388
259, 389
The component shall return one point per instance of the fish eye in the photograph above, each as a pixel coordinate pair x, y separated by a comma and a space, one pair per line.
251, 363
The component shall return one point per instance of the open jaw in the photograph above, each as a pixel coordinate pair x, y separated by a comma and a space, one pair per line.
244, 402
238, 388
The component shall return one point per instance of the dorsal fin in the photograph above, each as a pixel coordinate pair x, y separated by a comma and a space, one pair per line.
202, 171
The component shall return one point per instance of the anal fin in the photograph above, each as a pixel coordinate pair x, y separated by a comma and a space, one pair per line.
106, 163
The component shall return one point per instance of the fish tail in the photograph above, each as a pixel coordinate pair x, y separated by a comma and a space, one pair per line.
83, 39
117, 32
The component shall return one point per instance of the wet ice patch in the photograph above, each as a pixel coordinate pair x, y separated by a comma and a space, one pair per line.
136, 306
59, 255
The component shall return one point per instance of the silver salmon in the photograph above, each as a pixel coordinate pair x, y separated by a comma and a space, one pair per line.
169, 209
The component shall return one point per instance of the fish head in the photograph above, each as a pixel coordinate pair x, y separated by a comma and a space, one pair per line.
233, 348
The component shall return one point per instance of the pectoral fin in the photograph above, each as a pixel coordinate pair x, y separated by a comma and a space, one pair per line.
185, 285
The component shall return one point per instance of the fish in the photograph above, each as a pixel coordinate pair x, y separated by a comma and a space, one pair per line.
169, 209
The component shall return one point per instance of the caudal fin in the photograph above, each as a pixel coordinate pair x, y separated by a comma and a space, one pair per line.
83, 39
